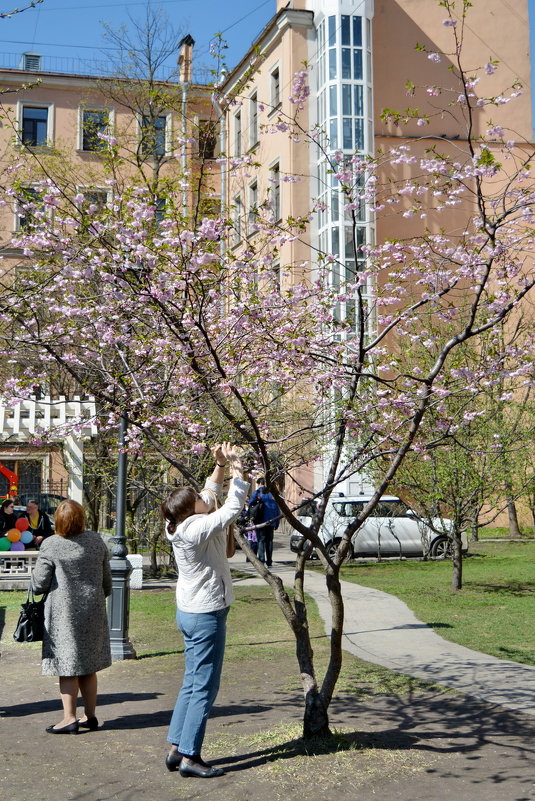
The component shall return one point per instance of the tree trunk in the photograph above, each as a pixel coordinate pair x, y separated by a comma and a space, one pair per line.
514, 528
457, 575
316, 717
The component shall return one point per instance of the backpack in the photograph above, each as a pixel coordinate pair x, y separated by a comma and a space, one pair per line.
255, 509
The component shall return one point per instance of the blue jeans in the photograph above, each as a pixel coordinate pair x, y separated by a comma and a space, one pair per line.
265, 544
204, 643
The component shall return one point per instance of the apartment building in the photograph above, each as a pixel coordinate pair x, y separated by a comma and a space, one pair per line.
59, 123
359, 56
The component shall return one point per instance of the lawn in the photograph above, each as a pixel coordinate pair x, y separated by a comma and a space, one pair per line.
493, 613
259, 642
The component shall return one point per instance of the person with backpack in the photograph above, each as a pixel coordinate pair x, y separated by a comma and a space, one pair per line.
264, 513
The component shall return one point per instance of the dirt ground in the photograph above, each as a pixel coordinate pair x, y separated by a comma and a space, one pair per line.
429, 746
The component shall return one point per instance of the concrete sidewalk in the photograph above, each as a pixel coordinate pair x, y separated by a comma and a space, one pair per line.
381, 629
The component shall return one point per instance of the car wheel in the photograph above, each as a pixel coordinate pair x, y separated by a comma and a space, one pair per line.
441, 548
332, 548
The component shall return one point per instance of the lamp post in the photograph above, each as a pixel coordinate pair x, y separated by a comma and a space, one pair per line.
119, 601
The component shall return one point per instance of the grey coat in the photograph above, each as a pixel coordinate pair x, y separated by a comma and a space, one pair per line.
76, 572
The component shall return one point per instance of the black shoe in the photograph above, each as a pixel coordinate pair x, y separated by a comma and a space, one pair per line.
71, 728
90, 723
200, 771
172, 761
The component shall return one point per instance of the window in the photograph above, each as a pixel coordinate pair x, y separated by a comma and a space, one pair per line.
94, 122
348, 509
253, 120
207, 139
96, 197
236, 219
275, 88
34, 126
29, 202
153, 135
237, 134
210, 207
276, 270
275, 194
253, 202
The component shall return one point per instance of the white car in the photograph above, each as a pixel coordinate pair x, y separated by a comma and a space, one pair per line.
393, 529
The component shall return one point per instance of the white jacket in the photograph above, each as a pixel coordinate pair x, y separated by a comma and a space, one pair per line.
200, 548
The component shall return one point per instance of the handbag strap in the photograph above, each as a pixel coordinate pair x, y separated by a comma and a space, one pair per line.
31, 594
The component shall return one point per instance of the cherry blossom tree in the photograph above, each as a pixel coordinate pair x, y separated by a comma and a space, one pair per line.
152, 315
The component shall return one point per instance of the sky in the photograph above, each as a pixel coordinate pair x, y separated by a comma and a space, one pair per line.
72, 29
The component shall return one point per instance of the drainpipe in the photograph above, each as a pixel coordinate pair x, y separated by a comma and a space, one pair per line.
185, 58
223, 167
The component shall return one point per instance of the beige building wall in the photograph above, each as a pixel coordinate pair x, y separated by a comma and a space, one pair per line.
494, 31
66, 98
285, 47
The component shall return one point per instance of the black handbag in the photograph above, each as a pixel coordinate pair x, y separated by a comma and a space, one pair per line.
31, 619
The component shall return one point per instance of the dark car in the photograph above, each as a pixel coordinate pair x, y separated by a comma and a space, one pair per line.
47, 502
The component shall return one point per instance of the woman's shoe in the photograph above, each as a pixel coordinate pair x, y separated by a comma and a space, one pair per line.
90, 723
71, 728
200, 771
172, 761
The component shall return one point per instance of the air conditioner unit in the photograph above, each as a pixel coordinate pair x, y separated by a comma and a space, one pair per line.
31, 62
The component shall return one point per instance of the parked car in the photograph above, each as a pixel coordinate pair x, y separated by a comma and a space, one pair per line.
48, 502
393, 528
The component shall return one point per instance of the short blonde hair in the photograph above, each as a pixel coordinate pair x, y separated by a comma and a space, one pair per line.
69, 519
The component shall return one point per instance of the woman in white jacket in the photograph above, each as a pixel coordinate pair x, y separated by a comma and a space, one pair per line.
198, 532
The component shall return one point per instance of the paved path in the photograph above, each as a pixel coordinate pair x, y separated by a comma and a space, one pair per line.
381, 629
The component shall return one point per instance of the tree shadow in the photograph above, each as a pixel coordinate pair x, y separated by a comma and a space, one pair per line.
53, 704
513, 588
153, 654
429, 723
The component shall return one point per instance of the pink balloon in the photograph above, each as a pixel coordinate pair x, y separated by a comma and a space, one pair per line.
22, 523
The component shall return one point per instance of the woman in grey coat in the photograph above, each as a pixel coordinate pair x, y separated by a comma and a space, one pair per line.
73, 567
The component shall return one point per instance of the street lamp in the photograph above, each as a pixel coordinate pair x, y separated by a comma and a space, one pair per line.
119, 601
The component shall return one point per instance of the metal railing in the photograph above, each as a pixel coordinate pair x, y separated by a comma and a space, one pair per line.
93, 68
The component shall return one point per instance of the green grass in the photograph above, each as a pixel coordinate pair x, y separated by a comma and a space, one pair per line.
502, 532
260, 644
493, 613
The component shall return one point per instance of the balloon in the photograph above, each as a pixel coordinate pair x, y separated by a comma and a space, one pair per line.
13, 535
5, 544
17, 546
26, 537
22, 524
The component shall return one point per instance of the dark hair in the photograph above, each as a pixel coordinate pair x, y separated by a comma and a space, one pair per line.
179, 505
69, 519
6, 503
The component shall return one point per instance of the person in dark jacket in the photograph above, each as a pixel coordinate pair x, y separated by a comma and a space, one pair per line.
8, 518
266, 521
40, 525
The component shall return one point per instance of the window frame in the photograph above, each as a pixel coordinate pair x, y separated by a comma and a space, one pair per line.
50, 107
275, 190
238, 134
237, 219
252, 204
18, 227
109, 126
167, 131
275, 96
204, 124
253, 120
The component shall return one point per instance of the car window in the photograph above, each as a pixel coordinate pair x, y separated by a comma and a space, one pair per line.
391, 509
348, 508
307, 509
